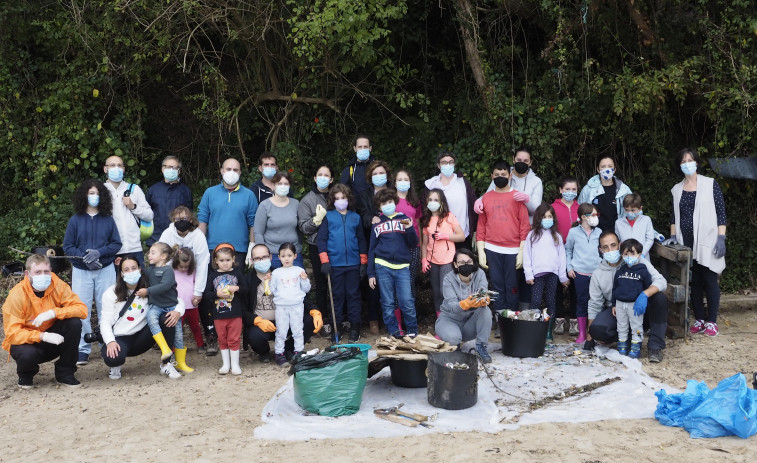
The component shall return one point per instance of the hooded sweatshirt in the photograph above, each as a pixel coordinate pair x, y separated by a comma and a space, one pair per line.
582, 250
566, 217
354, 175
530, 185
306, 211
544, 256
600, 287
641, 230
196, 242
391, 243
454, 291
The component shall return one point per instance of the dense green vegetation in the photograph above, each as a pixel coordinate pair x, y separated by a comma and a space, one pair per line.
207, 79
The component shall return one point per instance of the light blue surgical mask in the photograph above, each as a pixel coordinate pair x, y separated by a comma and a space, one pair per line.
388, 209
403, 185
282, 190
171, 175
262, 266
631, 260
433, 206
569, 195
612, 257
269, 172
547, 223
633, 215
689, 168
41, 282
115, 174
132, 278
447, 170
379, 180
93, 200
322, 182
363, 154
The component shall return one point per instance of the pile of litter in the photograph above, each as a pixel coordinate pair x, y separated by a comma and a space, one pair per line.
408, 348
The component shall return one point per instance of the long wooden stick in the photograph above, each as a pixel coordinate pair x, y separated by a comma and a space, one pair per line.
49, 257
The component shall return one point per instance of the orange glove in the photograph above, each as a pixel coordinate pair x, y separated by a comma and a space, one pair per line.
317, 320
264, 324
468, 303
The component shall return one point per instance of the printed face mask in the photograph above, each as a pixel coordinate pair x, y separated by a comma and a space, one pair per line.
607, 174
363, 154
230, 177
341, 204
448, 170
612, 257
41, 282
569, 195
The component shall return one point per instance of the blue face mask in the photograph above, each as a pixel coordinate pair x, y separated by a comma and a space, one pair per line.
388, 209
433, 206
547, 223
403, 186
322, 182
569, 195
41, 282
262, 266
379, 180
115, 174
363, 154
269, 172
612, 257
633, 215
631, 260
171, 175
447, 170
282, 190
93, 200
132, 278
689, 168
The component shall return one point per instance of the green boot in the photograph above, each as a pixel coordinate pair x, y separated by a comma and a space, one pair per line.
550, 339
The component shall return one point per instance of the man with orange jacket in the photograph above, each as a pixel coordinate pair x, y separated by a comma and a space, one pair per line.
42, 321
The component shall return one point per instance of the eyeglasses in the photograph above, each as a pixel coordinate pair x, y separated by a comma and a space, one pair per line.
261, 259
466, 262
446, 163
592, 215
171, 167
182, 219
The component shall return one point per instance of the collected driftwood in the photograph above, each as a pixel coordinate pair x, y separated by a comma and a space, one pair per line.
408, 348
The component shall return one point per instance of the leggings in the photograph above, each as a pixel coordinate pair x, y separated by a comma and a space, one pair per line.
544, 286
704, 282
192, 318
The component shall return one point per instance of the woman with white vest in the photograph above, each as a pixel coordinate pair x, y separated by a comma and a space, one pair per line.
699, 222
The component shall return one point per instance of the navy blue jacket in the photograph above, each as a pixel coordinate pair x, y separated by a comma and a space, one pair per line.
629, 282
342, 238
262, 192
164, 197
91, 232
354, 175
391, 242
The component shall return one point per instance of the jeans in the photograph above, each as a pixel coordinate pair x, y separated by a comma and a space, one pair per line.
503, 278
581, 283
289, 318
396, 284
90, 285
135, 344
153, 321
704, 282
276, 263
29, 356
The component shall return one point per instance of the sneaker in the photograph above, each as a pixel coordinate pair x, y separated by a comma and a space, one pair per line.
25, 383
265, 358
280, 359
698, 327
573, 330
589, 345
412, 335
326, 329
69, 381
202, 349
711, 329
635, 351
354, 335
288, 354
345, 327
294, 354
169, 370
483, 353
83, 359
655, 355
211, 348
115, 373
559, 326
623, 347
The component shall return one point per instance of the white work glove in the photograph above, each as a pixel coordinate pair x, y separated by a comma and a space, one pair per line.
43, 317
481, 255
519, 258
248, 260
51, 338
320, 213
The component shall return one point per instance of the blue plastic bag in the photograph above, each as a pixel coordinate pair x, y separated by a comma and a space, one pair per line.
729, 409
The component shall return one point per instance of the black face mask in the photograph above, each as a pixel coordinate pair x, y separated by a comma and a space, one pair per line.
466, 270
501, 182
182, 225
521, 167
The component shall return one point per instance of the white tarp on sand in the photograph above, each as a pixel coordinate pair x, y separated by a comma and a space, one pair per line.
519, 384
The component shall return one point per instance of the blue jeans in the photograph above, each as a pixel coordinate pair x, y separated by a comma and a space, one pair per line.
503, 278
396, 285
153, 321
90, 285
276, 263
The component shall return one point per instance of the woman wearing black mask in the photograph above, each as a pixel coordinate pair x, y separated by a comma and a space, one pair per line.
464, 317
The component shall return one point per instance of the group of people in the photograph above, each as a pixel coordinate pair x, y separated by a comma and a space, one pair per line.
234, 272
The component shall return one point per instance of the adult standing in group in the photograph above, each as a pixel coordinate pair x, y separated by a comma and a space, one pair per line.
166, 195
227, 212
92, 240
354, 175
459, 193
699, 222
129, 207
310, 214
260, 317
606, 192
276, 220
267, 166
41, 321
123, 321
652, 302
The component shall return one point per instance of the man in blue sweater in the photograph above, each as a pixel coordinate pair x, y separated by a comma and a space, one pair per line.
166, 195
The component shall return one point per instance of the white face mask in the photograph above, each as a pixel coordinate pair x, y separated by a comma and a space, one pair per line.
282, 190
230, 177
593, 221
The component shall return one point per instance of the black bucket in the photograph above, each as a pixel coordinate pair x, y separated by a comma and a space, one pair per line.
449, 388
56, 265
408, 373
522, 338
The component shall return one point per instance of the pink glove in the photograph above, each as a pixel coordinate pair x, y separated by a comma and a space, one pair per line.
520, 196
439, 236
478, 206
425, 265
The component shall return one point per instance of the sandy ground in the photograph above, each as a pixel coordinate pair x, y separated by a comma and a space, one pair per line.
208, 417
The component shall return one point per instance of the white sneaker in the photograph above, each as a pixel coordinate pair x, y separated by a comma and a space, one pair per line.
170, 370
115, 373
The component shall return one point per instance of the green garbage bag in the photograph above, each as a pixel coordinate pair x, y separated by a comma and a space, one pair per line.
330, 383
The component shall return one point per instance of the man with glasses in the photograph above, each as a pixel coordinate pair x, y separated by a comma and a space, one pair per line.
166, 195
129, 207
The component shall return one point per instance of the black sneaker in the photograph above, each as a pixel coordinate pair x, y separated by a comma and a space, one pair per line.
25, 382
589, 345
68, 382
354, 335
483, 353
265, 358
82, 360
655, 355
345, 327
280, 359
288, 354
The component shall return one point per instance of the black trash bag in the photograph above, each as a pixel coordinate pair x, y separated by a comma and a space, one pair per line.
330, 356
604, 328
13, 268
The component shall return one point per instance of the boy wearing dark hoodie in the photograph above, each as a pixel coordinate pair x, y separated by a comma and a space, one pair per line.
354, 174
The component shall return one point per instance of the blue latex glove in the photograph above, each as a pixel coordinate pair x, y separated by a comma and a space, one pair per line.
91, 256
719, 249
640, 306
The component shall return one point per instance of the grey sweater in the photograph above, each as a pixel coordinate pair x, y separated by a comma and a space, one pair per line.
600, 287
455, 291
162, 289
305, 214
276, 225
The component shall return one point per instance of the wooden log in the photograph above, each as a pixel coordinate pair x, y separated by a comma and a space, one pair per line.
398, 419
406, 356
674, 252
676, 293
